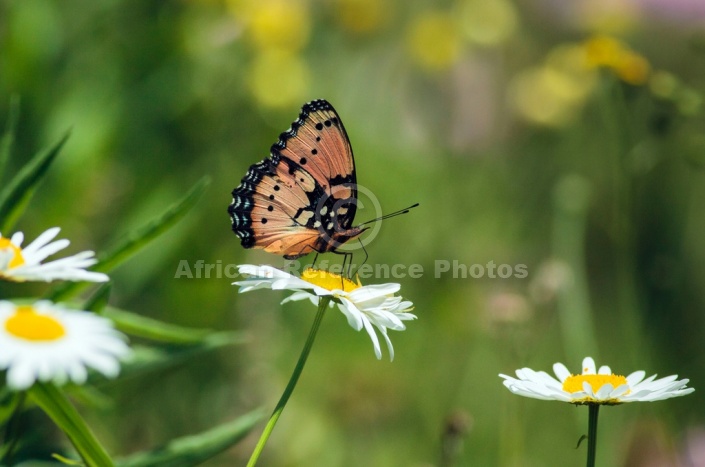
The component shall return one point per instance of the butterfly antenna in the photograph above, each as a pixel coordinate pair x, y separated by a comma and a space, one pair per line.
387, 216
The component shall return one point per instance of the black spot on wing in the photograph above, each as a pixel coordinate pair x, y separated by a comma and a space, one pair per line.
306, 110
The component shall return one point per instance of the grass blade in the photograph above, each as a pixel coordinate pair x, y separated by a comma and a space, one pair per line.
150, 359
137, 239
57, 406
149, 328
194, 449
8, 138
99, 300
17, 192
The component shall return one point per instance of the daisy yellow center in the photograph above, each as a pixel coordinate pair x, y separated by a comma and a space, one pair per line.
27, 324
329, 280
574, 383
17, 258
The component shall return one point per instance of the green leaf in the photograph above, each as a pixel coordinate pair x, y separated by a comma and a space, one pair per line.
135, 240
194, 449
12, 406
99, 300
9, 401
147, 359
17, 192
66, 460
57, 406
8, 138
142, 326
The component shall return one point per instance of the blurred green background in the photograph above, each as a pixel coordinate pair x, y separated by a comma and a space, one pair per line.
565, 136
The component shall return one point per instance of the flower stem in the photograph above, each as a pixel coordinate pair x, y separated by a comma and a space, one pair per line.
322, 306
592, 434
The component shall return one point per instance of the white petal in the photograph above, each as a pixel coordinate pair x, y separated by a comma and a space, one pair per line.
619, 391
354, 316
604, 391
262, 271
588, 366
253, 284
370, 292
561, 371
20, 376
17, 239
39, 254
373, 336
390, 347
42, 240
296, 296
636, 377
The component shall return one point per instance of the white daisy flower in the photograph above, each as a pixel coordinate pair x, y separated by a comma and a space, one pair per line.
46, 342
594, 387
366, 306
25, 264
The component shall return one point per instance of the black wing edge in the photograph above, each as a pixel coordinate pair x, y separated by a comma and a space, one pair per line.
243, 199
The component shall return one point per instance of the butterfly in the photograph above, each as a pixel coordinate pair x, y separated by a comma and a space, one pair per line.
303, 197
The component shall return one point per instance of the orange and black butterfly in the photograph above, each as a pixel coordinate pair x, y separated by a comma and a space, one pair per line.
303, 197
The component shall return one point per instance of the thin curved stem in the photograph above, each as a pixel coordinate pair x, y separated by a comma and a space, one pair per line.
322, 306
592, 434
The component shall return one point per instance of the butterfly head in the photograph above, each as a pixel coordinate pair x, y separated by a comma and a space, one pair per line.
331, 241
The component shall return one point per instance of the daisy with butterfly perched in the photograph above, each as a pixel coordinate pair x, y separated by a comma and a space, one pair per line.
302, 199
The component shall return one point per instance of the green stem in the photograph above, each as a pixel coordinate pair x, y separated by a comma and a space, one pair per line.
592, 434
322, 306
57, 406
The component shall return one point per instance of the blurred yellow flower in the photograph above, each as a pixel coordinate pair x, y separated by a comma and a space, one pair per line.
603, 51
608, 52
569, 60
633, 69
553, 93
274, 24
279, 79
487, 22
362, 16
545, 96
434, 41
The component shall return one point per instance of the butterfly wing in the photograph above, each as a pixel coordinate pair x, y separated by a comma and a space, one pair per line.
296, 200
317, 140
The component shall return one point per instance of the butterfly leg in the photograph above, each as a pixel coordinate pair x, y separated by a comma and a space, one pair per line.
345, 268
313, 263
345, 272
367, 256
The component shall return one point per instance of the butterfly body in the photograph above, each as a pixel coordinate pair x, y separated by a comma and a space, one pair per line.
303, 197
